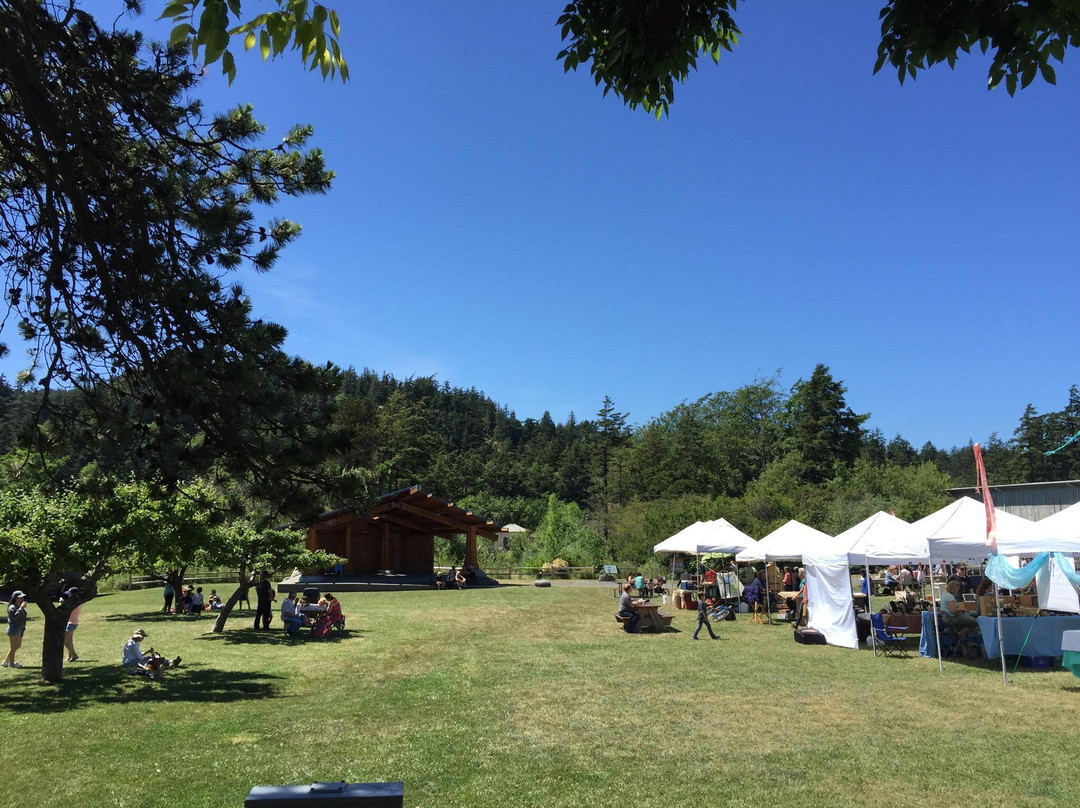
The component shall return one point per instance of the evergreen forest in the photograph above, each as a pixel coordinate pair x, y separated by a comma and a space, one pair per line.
599, 490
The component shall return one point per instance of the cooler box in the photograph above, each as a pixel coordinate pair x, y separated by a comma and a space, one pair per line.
1041, 662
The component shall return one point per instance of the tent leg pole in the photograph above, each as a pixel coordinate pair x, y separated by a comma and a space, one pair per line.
933, 610
1001, 636
869, 604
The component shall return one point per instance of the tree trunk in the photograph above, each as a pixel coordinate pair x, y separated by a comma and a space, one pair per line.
176, 578
234, 598
52, 646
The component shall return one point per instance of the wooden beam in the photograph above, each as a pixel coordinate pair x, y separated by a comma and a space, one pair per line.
470, 547
386, 546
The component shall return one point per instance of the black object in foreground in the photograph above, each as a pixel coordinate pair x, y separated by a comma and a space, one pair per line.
328, 795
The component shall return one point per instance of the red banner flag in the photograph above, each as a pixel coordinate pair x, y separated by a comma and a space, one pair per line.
988, 502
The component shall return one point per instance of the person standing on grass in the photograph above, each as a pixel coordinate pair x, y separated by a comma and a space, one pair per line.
626, 609
703, 619
169, 593
264, 596
72, 623
16, 627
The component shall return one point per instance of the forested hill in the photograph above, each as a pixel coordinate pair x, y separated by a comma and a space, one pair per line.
757, 455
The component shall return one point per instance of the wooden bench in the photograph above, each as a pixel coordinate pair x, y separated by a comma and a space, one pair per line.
665, 618
621, 618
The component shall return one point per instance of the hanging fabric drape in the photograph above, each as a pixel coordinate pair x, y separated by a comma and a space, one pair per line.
1004, 574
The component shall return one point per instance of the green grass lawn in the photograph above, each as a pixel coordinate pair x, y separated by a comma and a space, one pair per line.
525, 696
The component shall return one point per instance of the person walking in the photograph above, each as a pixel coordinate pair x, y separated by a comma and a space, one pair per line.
16, 627
264, 597
703, 619
71, 594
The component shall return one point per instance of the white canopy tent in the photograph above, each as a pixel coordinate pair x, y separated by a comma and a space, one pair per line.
828, 583
883, 539
1059, 532
717, 536
957, 532
788, 543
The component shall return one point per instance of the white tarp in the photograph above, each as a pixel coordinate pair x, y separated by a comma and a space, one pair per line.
788, 543
1059, 532
720, 536
681, 542
883, 539
957, 532
717, 536
1056, 593
828, 596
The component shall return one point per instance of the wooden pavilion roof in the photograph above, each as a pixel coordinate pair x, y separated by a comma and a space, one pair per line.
413, 509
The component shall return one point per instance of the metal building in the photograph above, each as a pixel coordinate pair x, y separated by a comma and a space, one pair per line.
1029, 500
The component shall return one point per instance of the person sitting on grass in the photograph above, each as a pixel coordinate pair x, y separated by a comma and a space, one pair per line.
149, 664
459, 579
214, 602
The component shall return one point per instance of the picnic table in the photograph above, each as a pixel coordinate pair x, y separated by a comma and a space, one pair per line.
651, 616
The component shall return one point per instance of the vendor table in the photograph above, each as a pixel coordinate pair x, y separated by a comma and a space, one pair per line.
1070, 651
1045, 639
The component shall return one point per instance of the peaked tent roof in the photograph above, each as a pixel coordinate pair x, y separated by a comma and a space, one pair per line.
789, 542
717, 536
1060, 532
957, 532
883, 539
723, 537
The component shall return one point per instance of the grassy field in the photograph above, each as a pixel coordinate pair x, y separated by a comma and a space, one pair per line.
525, 696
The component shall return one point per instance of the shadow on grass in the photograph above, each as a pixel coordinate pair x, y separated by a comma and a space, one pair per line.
149, 617
276, 637
111, 684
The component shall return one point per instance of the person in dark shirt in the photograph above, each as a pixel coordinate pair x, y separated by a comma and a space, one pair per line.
961, 579
703, 619
264, 596
626, 609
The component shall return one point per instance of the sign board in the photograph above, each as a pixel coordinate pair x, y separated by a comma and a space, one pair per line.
611, 569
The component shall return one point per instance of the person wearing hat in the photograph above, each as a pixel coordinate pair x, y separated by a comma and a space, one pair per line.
136, 661
16, 627
72, 595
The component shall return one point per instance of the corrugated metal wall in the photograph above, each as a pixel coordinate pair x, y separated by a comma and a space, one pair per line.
1033, 503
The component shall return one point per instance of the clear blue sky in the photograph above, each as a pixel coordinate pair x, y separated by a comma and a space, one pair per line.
498, 224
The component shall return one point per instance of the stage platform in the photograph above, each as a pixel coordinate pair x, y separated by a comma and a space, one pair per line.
371, 582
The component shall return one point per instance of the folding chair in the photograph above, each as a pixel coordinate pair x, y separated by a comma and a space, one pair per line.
886, 644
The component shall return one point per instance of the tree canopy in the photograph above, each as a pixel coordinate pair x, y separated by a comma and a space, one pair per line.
638, 49
125, 210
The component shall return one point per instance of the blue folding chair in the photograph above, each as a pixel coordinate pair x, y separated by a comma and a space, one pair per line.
885, 643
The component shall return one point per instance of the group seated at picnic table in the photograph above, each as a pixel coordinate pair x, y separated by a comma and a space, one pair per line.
321, 617
646, 587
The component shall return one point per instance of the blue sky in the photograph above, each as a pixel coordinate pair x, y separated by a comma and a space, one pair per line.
499, 225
